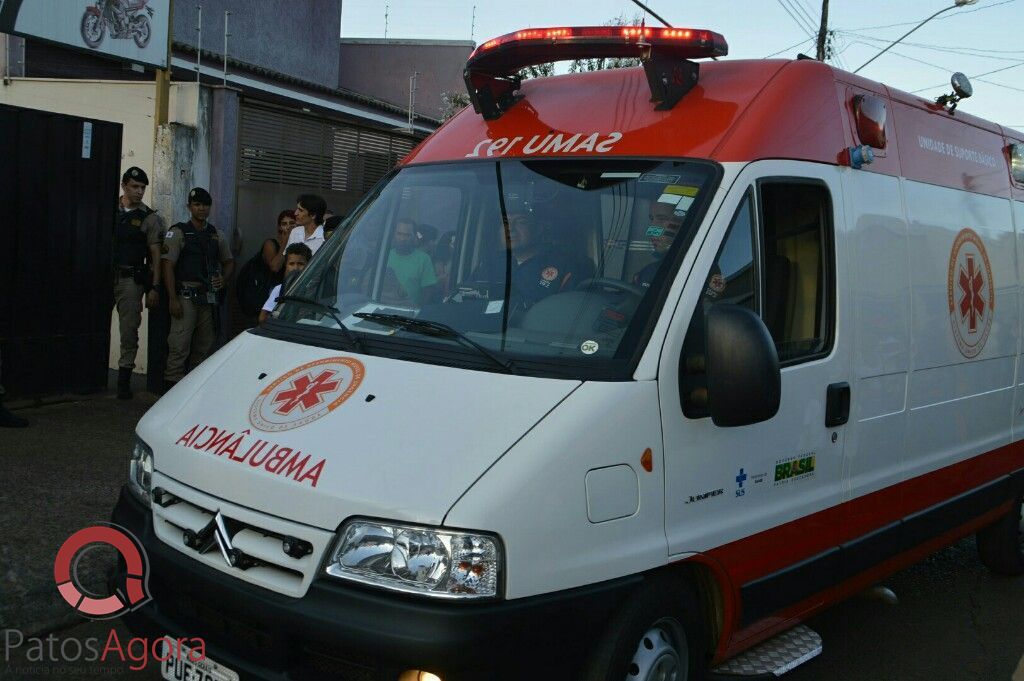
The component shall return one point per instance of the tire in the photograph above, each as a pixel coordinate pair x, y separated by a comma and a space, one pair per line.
142, 32
656, 634
1001, 545
93, 29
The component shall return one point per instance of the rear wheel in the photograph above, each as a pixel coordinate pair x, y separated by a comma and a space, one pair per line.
142, 32
655, 636
1001, 545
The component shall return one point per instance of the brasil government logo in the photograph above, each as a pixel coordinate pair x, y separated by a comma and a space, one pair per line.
971, 293
306, 393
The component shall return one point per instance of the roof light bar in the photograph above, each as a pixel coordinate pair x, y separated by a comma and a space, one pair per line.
706, 43
491, 72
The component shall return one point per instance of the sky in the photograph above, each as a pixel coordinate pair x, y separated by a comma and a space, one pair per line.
981, 40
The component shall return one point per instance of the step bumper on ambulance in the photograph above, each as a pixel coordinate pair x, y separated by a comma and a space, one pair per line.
338, 630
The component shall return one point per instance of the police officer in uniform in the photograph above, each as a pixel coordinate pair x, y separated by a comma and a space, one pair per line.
196, 264
137, 235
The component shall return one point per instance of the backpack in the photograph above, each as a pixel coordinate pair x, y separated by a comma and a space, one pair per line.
253, 285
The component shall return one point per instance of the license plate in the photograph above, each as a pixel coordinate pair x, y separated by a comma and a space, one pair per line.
180, 667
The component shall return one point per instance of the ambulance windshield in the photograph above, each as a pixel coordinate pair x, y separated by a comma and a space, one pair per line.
552, 267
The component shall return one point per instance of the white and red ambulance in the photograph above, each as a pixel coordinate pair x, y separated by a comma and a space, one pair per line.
621, 375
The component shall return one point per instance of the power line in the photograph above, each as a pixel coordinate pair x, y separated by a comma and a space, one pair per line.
787, 49
911, 23
793, 17
963, 51
1008, 87
806, 23
987, 73
799, 5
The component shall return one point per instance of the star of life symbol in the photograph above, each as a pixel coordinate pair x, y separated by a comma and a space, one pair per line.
306, 393
971, 293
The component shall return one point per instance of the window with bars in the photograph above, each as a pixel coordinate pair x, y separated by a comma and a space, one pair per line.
313, 153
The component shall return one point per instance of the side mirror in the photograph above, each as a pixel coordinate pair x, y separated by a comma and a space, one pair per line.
743, 377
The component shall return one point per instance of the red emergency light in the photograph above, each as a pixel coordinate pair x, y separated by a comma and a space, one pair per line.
491, 72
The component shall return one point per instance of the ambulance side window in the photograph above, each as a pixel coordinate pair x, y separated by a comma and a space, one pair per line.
777, 261
798, 280
733, 279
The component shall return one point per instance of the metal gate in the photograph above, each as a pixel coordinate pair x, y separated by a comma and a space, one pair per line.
58, 188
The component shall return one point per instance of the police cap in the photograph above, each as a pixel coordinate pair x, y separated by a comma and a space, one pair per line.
135, 173
200, 195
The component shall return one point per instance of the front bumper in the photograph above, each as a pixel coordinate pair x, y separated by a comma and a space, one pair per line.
342, 631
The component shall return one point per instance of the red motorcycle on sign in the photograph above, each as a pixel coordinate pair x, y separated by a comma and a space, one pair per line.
124, 19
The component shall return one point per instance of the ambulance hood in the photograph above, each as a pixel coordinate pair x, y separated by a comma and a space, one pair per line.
316, 435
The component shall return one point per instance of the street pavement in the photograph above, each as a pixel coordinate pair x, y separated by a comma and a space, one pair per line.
954, 620
60, 474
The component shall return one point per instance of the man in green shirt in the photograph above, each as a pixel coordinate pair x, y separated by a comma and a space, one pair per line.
413, 269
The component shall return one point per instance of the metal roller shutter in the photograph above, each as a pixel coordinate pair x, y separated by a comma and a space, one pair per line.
284, 148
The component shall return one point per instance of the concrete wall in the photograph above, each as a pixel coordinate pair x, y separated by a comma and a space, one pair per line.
295, 37
381, 69
179, 154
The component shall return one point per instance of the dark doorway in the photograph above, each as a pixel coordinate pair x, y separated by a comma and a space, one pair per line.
59, 180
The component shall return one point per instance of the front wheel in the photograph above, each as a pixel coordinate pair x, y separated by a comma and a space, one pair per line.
142, 32
656, 636
93, 29
1001, 545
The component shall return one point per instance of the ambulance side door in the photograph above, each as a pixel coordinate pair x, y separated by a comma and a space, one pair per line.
756, 499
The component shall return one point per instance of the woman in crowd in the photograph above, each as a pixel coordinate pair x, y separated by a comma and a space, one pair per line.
273, 249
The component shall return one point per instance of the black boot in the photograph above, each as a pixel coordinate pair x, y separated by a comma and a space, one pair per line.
124, 384
9, 420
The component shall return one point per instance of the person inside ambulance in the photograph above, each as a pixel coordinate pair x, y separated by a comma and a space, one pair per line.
666, 219
538, 269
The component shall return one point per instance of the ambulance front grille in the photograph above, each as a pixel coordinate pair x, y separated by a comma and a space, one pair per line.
259, 547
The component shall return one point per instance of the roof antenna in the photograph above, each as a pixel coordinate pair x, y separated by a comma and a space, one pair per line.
472, 25
386, 8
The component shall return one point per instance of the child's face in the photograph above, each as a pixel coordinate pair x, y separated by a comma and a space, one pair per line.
294, 263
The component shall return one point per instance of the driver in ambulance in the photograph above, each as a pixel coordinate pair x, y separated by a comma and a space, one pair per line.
538, 270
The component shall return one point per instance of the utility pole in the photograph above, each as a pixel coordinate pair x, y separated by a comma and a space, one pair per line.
412, 99
823, 31
161, 115
199, 44
472, 25
386, 10
226, 36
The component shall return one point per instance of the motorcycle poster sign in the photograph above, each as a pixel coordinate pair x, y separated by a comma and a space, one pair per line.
130, 30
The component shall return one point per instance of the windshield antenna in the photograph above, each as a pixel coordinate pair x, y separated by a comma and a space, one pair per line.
651, 12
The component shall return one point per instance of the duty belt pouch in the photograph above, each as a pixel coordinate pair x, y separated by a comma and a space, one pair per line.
141, 276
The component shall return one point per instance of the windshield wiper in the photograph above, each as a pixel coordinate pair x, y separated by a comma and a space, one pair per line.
331, 311
431, 328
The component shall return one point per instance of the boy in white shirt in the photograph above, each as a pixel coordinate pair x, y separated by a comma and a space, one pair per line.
296, 257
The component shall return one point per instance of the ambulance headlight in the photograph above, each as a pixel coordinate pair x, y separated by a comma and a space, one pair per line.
421, 560
140, 471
